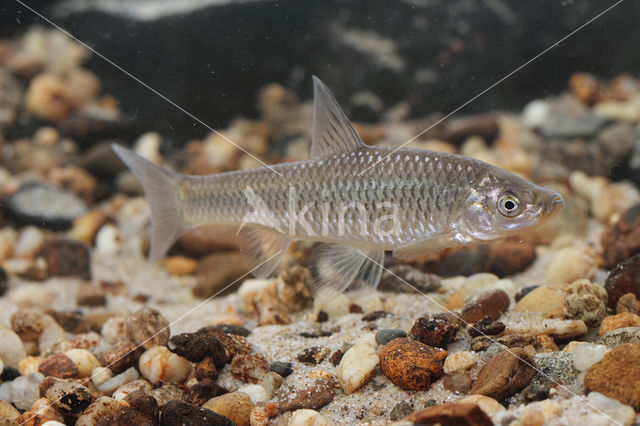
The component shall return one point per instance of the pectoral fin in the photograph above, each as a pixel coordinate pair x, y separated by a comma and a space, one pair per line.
427, 245
263, 247
334, 267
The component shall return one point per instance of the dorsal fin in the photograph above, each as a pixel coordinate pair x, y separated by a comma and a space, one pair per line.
332, 131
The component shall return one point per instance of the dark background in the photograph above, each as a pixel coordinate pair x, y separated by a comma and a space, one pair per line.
438, 53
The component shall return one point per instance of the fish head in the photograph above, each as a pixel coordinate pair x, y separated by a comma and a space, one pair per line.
503, 204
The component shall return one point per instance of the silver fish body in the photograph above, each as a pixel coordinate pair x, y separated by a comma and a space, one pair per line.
360, 201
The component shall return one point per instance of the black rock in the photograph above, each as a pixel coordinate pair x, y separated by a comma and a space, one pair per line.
385, 336
177, 413
4, 282
44, 205
9, 373
282, 368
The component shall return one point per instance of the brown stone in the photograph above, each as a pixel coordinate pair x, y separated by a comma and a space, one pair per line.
505, 374
66, 258
91, 295
628, 303
317, 395
203, 391
58, 365
148, 328
490, 304
434, 330
28, 324
486, 327
208, 239
457, 382
624, 278
451, 414
613, 322
313, 355
205, 369
617, 375
622, 240
481, 343
209, 342
249, 368
121, 356
217, 271
72, 321
412, 365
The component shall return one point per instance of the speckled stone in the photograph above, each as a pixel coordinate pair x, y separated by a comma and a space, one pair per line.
617, 375
505, 374
412, 365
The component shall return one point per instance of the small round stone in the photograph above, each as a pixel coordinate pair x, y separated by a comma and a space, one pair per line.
411, 365
282, 368
356, 367
11, 348
84, 360
160, 364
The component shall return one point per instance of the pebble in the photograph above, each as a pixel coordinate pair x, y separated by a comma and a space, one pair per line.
101, 407
133, 386
66, 258
459, 361
7, 411
84, 360
271, 382
385, 336
160, 364
58, 365
208, 342
545, 300
356, 367
451, 413
485, 327
283, 368
628, 303
619, 337
235, 406
28, 324
538, 325
613, 322
257, 393
313, 355
249, 368
100, 375
121, 356
11, 348
69, 397
86, 227
260, 414
30, 364
180, 265
22, 391
45, 206
457, 382
41, 411
177, 413
624, 279
148, 328
436, 330
406, 279
412, 365
314, 396
587, 354
400, 410
167, 393
489, 405
107, 241
490, 304
505, 374
30, 240
205, 369
554, 367
203, 391
621, 240
568, 265
617, 375
306, 417
217, 270
90, 295
620, 413
585, 301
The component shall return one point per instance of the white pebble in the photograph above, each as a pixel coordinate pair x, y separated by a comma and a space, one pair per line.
124, 390
84, 360
535, 113
357, 366
458, 361
587, 354
257, 393
622, 414
159, 363
115, 329
51, 335
116, 381
52, 423
307, 417
30, 240
99, 408
23, 391
334, 306
369, 339
100, 375
11, 348
107, 240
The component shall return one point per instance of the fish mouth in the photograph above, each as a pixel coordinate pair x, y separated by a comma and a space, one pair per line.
556, 203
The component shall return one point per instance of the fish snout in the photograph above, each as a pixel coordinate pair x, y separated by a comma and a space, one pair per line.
556, 203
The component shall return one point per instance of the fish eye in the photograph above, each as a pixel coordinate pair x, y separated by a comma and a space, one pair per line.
508, 205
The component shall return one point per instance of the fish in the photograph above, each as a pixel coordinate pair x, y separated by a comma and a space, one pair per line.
356, 201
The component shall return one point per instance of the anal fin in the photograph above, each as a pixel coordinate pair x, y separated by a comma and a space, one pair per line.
335, 267
264, 247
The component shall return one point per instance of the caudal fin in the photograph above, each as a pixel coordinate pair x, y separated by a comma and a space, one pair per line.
161, 189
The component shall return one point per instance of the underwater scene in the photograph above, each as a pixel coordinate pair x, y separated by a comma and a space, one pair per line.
316, 213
